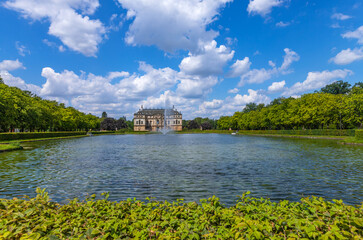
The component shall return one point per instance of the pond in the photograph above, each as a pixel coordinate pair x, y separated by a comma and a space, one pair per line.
188, 166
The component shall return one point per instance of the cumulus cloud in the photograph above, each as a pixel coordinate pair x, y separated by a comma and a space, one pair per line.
252, 96
277, 87
239, 67
316, 80
357, 34
263, 7
171, 25
68, 21
256, 76
262, 75
7, 66
135, 87
340, 16
12, 81
11, 65
348, 56
210, 60
113, 75
214, 104
234, 90
195, 86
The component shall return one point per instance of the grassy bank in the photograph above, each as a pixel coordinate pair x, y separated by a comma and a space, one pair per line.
36, 135
187, 131
250, 218
10, 147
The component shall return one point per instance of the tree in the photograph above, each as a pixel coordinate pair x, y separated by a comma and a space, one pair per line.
250, 107
1, 80
206, 126
337, 87
193, 125
224, 122
358, 84
121, 123
108, 124
104, 115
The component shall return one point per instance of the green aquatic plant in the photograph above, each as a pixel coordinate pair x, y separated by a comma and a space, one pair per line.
249, 218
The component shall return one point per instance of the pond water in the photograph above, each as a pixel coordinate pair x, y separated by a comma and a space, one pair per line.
188, 166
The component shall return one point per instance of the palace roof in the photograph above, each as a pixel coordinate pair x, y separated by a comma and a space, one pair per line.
151, 112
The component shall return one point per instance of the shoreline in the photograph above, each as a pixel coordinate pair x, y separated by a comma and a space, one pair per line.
343, 140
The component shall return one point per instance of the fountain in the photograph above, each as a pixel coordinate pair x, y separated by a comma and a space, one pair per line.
167, 113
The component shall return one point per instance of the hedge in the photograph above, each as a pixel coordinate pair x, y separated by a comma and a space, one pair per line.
102, 132
35, 135
316, 132
359, 134
250, 218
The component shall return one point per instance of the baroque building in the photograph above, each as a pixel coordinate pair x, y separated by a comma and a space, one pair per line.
156, 119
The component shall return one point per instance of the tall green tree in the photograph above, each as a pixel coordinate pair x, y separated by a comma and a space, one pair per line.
337, 87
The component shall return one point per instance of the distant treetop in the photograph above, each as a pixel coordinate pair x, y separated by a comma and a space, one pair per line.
338, 87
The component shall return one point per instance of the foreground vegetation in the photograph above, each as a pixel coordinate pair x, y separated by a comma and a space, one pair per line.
250, 218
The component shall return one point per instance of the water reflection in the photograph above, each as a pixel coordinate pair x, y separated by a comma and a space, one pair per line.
192, 167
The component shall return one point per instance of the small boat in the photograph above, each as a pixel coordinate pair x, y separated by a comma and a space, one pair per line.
234, 133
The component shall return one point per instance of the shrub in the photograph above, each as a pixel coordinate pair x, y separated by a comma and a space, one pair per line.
359, 134
250, 218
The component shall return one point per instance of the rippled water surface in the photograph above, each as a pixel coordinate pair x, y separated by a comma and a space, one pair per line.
189, 166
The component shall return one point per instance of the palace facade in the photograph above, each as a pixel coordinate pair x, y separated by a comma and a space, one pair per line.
155, 119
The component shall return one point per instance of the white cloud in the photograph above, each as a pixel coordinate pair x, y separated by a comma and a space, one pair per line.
282, 24
316, 80
256, 76
348, 56
11, 65
214, 104
277, 87
12, 81
239, 68
289, 58
135, 87
340, 16
357, 34
76, 31
263, 7
234, 90
272, 64
210, 60
253, 96
22, 50
171, 25
113, 75
262, 75
195, 86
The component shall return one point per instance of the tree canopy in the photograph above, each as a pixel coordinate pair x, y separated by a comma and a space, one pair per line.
338, 87
26, 111
310, 111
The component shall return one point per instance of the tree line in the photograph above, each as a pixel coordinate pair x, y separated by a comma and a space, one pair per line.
24, 111
335, 106
27, 112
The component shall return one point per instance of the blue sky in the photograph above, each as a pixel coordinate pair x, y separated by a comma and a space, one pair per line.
207, 57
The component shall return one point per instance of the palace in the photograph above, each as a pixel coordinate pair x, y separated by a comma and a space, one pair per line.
155, 119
